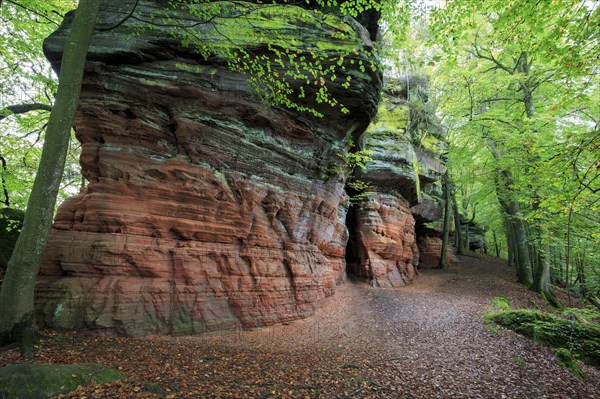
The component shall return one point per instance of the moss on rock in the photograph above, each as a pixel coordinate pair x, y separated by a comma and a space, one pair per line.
37, 381
581, 339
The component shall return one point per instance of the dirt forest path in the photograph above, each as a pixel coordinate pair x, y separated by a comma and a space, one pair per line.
422, 341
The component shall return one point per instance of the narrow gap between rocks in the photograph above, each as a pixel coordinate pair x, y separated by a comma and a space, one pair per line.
352, 258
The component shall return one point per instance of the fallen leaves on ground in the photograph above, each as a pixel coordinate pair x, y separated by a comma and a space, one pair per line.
422, 341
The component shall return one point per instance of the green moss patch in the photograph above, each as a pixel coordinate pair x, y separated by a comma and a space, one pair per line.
33, 381
576, 336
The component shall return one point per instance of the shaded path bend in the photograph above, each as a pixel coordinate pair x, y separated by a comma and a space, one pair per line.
428, 340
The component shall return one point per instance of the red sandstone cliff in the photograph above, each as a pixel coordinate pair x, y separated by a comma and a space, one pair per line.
204, 209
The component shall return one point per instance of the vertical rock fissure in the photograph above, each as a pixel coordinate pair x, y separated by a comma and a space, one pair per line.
351, 256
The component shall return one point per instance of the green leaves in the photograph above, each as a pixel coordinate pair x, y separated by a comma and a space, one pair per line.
25, 78
561, 33
291, 55
514, 86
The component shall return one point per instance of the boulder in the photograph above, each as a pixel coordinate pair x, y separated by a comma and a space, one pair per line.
430, 250
382, 247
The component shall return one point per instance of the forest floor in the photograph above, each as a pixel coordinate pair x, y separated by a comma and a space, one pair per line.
426, 340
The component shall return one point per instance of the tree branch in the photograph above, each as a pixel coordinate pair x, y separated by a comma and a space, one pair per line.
122, 21
32, 11
491, 57
23, 109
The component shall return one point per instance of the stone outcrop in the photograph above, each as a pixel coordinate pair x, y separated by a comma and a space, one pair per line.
382, 247
392, 225
430, 249
205, 209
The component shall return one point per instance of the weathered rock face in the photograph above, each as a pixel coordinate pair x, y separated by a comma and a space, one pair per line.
475, 235
382, 227
430, 250
391, 225
382, 247
204, 209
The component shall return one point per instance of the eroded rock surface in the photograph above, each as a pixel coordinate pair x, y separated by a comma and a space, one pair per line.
205, 210
392, 222
382, 247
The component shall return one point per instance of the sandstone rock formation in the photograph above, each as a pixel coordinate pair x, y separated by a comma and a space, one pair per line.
392, 226
205, 209
382, 247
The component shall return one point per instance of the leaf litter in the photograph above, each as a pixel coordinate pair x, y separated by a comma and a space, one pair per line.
426, 340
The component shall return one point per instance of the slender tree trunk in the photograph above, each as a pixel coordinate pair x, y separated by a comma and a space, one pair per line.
496, 244
568, 256
467, 238
510, 243
17, 295
560, 264
458, 240
446, 236
581, 275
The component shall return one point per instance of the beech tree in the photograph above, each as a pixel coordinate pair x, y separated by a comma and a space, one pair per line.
518, 85
16, 296
27, 88
446, 234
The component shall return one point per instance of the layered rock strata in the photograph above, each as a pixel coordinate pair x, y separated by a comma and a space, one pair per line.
206, 209
382, 247
392, 225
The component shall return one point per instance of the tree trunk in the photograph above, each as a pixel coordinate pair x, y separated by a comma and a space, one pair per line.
581, 275
6, 200
541, 267
568, 257
541, 282
496, 244
446, 236
467, 243
524, 273
458, 240
518, 248
510, 204
510, 244
560, 264
17, 295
